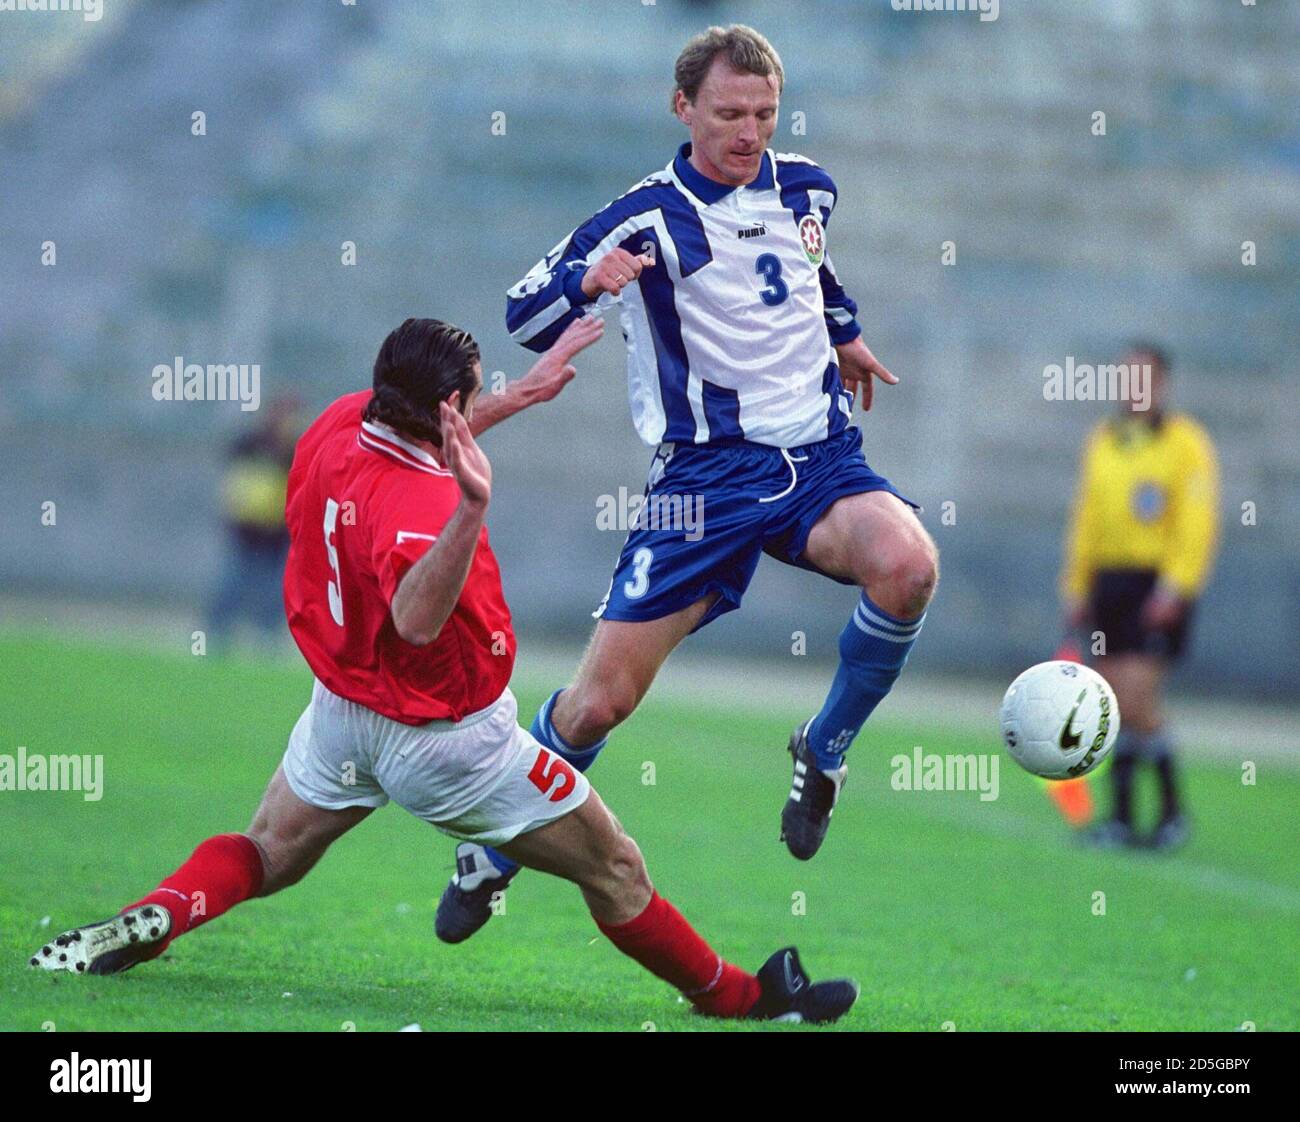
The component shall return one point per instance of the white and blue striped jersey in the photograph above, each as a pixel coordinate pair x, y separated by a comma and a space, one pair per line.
730, 333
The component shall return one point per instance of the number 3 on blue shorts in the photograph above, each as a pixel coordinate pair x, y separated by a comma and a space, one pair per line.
639, 583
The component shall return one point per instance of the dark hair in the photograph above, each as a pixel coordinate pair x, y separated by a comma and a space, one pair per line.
419, 366
1157, 352
744, 48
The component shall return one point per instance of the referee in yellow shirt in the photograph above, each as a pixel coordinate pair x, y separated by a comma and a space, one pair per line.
1139, 551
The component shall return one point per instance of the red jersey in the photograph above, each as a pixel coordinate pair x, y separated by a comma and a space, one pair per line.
363, 506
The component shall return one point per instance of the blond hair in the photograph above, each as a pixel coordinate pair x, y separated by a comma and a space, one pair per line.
745, 49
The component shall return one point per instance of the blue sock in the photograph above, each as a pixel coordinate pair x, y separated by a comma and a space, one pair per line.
544, 732
873, 649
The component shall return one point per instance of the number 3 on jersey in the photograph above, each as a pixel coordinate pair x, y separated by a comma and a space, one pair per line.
335, 586
768, 266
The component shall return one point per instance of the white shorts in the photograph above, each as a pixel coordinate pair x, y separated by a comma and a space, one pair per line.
481, 779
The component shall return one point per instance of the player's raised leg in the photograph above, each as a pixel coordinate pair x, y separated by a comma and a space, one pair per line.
287, 837
590, 848
617, 669
616, 672
875, 540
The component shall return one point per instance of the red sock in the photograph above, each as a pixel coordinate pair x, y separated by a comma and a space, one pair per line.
663, 942
222, 872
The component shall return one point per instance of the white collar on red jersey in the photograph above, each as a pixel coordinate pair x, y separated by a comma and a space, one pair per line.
379, 437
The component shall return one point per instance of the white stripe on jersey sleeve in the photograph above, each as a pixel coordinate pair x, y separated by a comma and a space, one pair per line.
821, 199
560, 307
655, 220
556, 309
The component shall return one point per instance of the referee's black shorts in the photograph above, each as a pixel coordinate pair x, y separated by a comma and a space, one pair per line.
1116, 609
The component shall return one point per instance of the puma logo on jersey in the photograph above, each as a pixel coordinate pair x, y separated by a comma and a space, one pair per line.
759, 231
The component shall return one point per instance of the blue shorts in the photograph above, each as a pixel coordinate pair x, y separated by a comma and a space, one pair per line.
710, 510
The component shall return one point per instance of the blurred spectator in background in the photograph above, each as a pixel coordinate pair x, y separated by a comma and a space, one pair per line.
1140, 548
252, 496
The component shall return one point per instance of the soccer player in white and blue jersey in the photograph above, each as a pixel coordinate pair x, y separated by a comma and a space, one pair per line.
744, 361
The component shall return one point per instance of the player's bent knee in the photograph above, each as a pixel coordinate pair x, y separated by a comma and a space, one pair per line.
907, 580
597, 711
923, 577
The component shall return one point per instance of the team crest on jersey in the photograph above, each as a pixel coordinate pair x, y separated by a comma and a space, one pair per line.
1148, 501
813, 239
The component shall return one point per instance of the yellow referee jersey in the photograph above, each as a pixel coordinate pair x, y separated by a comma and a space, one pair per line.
1148, 498
253, 492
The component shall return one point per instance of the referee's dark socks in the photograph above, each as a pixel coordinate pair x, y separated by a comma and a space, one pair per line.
1160, 751
1128, 750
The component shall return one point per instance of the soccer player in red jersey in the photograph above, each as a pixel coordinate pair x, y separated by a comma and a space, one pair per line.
394, 598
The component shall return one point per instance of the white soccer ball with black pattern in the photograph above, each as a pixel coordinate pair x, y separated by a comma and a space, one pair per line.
1059, 719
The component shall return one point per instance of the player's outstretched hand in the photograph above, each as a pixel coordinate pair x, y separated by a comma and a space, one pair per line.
463, 457
614, 272
858, 368
552, 372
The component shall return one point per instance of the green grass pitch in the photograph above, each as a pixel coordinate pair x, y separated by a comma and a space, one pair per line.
948, 910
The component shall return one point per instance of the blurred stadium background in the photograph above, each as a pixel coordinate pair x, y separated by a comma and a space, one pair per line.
373, 123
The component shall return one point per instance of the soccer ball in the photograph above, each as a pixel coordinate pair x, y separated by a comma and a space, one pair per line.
1059, 719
